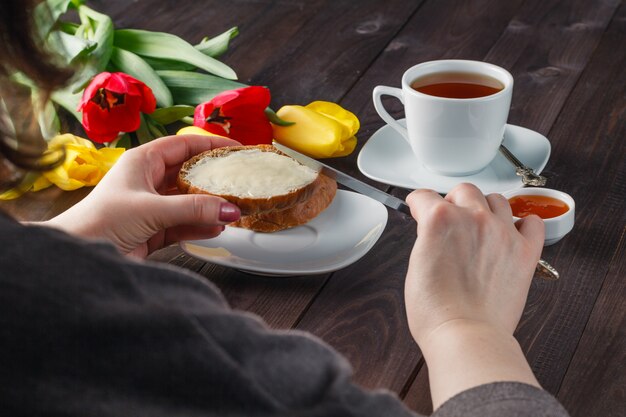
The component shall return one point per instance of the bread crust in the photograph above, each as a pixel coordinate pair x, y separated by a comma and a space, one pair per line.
247, 205
273, 221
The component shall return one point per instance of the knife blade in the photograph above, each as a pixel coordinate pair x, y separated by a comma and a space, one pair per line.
346, 180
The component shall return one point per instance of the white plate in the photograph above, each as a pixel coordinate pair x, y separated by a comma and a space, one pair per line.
388, 158
339, 236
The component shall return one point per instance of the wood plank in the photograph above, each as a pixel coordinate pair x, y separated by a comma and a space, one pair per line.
280, 301
166, 254
330, 52
588, 145
418, 395
546, 47
595, 380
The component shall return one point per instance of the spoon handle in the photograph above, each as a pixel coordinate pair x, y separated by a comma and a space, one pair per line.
546, 271
528, 174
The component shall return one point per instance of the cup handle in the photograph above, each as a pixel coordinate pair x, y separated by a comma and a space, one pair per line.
380, 91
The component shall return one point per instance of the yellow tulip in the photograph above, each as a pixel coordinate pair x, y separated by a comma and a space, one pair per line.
321, 129
195, 130
84, 165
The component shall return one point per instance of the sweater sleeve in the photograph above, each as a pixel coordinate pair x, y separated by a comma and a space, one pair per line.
510, 399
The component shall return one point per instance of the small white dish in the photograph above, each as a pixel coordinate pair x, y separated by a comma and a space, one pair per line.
388, 158
556, 227
338, 237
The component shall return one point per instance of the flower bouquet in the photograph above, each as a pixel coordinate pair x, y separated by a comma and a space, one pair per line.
130, 84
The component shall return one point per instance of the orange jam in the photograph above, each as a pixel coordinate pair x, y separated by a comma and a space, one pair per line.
541, 205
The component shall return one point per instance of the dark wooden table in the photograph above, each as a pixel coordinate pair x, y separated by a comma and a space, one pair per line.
568, 58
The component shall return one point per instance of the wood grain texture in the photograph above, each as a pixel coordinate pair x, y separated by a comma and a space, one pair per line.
280, 301
360, 312
43, 205
589, 150
418, 395
596, 377
546, 46
332, 49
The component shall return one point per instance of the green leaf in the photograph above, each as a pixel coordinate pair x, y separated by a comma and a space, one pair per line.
133, 65
143, 133
155, 128
123, 141
273, 117
193, 88
99, 29
71, 47
168, 64
168, 115
167, 46
47, 13
68, 27
213, 47
47, 117
189, 79
218, 45
69, 101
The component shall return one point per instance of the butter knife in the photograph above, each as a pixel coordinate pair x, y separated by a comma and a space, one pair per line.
346, 180
544, 269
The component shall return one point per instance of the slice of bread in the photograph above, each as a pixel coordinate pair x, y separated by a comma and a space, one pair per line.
258, 179
273, 221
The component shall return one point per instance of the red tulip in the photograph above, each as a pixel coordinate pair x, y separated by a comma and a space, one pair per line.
238, 114
112, 104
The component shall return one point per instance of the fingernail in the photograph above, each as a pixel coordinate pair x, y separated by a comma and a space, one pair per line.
229, 213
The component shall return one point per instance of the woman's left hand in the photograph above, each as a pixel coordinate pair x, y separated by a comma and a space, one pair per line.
136, 205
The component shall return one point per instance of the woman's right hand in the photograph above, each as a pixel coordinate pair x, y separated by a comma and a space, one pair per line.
466, 287
470, 261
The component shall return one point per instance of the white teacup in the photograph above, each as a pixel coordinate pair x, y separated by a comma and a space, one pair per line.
452, 136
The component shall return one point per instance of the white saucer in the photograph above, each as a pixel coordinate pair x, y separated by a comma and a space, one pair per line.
388, 158
339, 236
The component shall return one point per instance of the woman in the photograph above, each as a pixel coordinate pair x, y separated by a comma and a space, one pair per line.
87, 330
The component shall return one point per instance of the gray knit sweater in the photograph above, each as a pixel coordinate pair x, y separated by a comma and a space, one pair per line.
87, 332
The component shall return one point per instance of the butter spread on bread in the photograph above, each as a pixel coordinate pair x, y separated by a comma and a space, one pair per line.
250, 173
273, 191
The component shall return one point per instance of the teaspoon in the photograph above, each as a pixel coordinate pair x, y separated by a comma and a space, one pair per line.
528, 174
